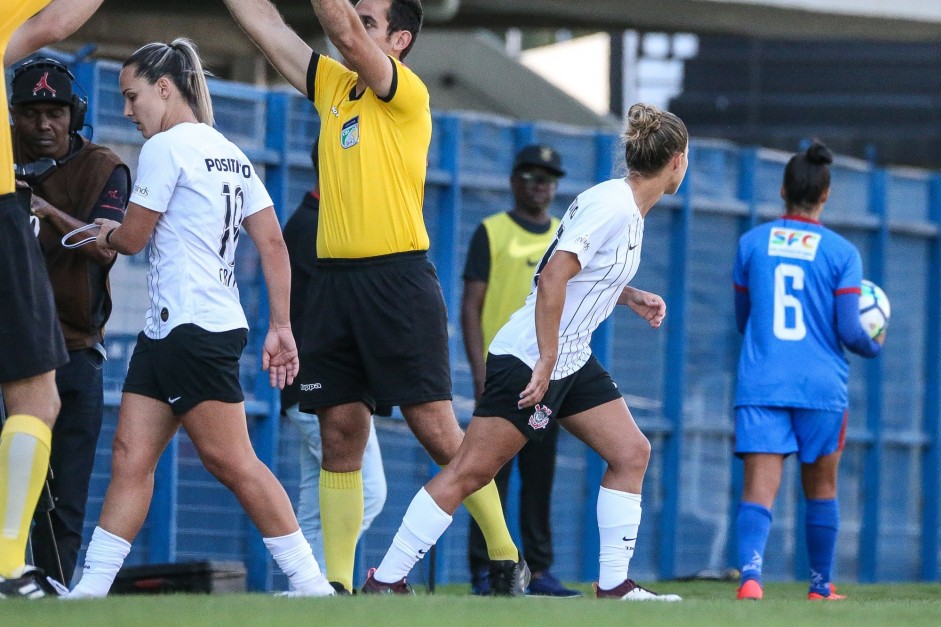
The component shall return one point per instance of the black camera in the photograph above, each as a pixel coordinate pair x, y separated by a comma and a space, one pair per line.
35, 172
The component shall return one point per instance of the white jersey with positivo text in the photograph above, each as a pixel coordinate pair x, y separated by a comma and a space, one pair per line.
204, 186
604, 229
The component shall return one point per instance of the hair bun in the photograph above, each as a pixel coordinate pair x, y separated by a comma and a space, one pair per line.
818, 153
642, 121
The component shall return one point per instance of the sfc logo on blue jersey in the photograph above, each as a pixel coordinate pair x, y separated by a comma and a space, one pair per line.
349, 134
793, 243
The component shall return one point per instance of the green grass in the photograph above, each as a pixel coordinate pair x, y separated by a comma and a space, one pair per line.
705, 603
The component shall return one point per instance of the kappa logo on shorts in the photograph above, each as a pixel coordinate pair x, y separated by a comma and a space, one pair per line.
310, 387
540, 419
349, 133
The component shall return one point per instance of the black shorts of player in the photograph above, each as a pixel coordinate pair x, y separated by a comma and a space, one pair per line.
189, 366
507, 376
31, 340
376, 332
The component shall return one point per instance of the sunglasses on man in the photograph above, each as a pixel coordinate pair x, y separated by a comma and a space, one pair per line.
537, 178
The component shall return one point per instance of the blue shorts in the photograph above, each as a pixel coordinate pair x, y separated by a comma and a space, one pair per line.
812, 433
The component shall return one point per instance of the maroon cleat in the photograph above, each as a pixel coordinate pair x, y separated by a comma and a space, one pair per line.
630, 591
377, 587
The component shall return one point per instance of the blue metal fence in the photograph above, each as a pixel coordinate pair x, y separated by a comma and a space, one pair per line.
679, 380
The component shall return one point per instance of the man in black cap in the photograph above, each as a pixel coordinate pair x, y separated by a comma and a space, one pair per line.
498, 276
86, 182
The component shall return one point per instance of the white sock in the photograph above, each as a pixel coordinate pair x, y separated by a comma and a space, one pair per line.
104, 558
618, 521
423, 524
295, 559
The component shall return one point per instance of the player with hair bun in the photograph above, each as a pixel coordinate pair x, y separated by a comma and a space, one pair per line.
194, 192
797, 286
540, 367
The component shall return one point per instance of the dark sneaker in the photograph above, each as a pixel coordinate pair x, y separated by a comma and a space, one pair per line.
545, 584
32, 584
630, 591
377, 587
480, 582
508, 578
340, 589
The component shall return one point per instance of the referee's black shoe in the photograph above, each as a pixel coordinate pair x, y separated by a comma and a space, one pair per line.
509, 578
31, 584
341, 590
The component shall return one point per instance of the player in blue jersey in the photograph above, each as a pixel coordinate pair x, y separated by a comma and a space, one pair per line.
797, 286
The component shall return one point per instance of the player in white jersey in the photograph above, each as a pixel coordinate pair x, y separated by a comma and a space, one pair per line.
540, 366
194, 192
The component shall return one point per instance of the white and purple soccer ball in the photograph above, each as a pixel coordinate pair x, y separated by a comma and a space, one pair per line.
874, 308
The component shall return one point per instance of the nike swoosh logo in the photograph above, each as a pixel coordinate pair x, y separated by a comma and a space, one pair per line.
629, 247
626, 539
173, 400
516, 249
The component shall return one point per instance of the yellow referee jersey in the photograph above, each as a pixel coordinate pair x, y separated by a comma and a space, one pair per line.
373, 161
14, 14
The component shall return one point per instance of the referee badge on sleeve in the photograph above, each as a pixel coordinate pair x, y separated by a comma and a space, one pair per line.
349, 133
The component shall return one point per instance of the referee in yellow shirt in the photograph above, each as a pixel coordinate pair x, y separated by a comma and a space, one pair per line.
31, 344
376, 324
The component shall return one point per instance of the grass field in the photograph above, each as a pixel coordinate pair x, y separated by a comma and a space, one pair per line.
705, 603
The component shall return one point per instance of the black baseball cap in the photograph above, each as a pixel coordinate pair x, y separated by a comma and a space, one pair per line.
40, 82
540, 156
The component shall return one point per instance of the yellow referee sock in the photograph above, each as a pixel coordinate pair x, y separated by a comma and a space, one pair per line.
341, 516
24, 462
484, 506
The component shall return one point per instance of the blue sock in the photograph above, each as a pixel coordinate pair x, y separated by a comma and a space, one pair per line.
822, 522
753, 525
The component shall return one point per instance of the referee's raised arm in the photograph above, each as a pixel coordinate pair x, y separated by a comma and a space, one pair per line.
284, 49
353, 31
56, 21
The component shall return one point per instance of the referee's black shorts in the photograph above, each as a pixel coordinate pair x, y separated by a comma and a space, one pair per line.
586, 388
31, 340
376, 332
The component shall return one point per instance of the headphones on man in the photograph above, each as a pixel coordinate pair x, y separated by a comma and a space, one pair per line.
78, 106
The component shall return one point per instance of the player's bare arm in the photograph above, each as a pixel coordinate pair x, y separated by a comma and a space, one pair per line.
128, 237
58, 20
279, 351
649, 306
349, 30
550, 300
284, 49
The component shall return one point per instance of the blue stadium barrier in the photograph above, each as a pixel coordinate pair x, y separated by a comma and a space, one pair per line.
679, 380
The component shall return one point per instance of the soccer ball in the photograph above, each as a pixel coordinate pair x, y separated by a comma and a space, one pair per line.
874, 308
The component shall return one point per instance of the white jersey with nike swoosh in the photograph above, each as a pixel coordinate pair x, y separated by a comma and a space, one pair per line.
203, 186
604, 229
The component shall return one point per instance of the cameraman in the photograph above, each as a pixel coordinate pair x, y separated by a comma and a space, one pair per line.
89, 182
